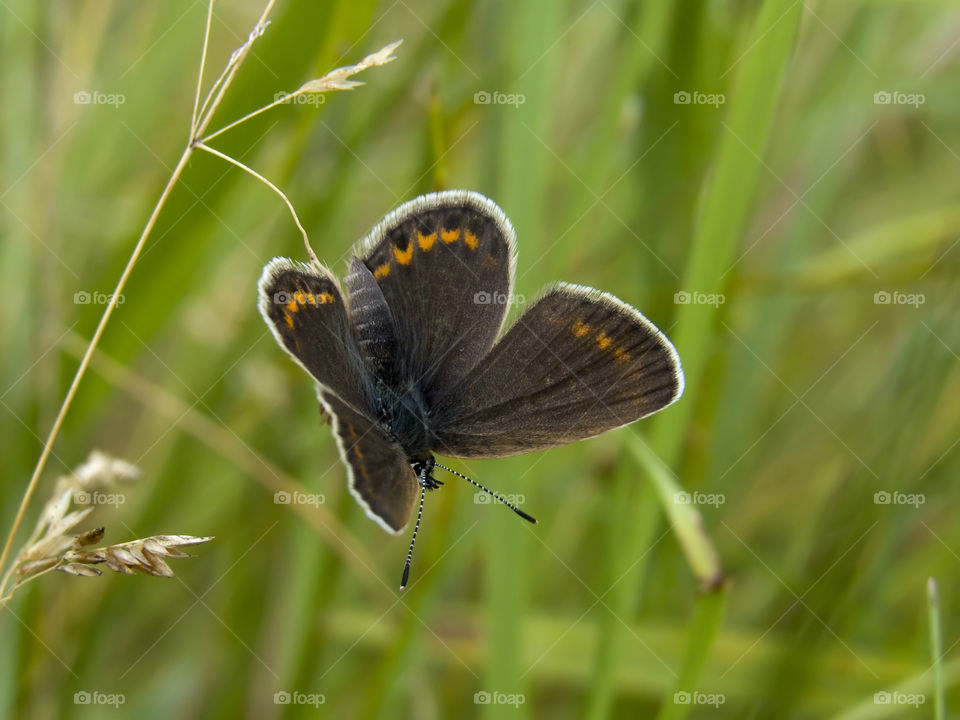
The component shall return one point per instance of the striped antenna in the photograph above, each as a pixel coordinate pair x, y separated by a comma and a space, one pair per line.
406, 568
499, 498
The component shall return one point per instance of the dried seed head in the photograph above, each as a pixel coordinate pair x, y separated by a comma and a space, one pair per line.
53, 545
144, 555
100, 469
338, 79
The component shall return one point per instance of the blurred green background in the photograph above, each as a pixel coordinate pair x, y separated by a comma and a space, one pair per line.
791, 167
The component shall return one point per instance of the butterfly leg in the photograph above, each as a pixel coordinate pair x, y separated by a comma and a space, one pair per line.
424, 469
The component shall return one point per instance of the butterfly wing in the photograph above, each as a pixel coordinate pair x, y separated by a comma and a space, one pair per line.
380, 476
577, 363
444, 264
304, 308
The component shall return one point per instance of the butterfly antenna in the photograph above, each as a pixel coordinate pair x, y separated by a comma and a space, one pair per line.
406, 567
500, 498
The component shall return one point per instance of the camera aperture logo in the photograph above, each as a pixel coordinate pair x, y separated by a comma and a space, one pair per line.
896, 697
498, 698
482, 97
895, 297
85, 697
895, 97
482, 498
497, 298
285, 98
285, 697
86, 97
699, 498
95, 497
83, 297
882, 497
699, 698
696, 97
283, 497
698, 298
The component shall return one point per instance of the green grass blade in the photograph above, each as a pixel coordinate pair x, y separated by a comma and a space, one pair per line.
685, 519
701, 633
725, 202
936, 651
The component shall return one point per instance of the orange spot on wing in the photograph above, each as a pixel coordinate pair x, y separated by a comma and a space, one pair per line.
621, 355
403, 256
303, 298
470, 239
426, 241
382, 271
289, 318
603, 341
450, 236
580, 329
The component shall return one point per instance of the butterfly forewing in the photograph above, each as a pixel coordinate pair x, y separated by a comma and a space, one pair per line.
577, 363
444, 264
304, 308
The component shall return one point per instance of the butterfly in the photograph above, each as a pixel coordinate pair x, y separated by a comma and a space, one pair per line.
411, 359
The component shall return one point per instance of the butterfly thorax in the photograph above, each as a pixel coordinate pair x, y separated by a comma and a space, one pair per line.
404, 415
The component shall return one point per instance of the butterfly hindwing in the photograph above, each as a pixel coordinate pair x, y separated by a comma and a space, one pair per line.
380, 476
578, 362
444, 264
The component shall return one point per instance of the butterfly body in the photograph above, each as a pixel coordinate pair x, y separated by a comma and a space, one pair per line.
404, 415
411, 358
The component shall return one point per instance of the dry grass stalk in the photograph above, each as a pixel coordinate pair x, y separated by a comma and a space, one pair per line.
49, 542
54, 546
